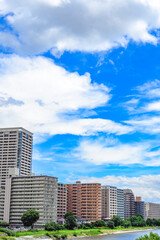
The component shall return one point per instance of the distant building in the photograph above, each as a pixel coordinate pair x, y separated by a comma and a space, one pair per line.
140, 207
61, 202
84, 200
152, 210
129, 203
15, 156
120, 203
30, 192
112, 202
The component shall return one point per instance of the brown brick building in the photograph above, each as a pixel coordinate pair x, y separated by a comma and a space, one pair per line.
84, 200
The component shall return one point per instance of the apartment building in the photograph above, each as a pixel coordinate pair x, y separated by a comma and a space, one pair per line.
120, 203
129, 203
112, 202
152, 210
84, 200
61, 202
15, 153
140, 207
30, 192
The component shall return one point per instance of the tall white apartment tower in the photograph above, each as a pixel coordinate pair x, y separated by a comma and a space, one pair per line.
15, 157
112, 202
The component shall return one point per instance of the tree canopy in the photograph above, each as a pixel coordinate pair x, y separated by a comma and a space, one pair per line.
30, 217
70, 221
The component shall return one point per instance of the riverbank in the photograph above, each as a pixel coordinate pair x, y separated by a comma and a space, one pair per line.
73, 234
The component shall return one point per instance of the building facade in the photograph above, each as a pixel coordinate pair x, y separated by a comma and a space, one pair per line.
112, 202
15, 153
30, 192
152, 210
140, 207
129, 203
61, 202
84, 200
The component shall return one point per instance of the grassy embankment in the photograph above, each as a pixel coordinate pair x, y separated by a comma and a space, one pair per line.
78, 232
72, 233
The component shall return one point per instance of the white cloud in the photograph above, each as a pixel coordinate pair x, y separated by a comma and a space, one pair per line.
146, 124
43, 94
146, 105
104, 152
80, 25
153, 106
147, 186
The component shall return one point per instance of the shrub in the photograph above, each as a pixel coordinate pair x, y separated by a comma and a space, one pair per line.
152, 236
52, 226
126, 223
4, 224
7, 231
64, 236
99, 223
75, 234
117, 221
110, 224
56, 236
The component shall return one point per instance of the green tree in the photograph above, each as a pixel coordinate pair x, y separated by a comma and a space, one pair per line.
117, 220
137, 221
99, 223
149, 222
126, 223
70, 221
30, 217
110, 224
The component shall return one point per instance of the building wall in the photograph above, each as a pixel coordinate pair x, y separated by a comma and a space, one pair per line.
152, 210
120, 203
140, 208
33, 192
129, 203
84, 200
112, 202
15, 152
61, 202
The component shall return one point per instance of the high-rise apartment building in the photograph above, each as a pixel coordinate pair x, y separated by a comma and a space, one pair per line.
112, 202
140, 207
30, 192
129, 203
120, 203
152, 210
61, 202
84, 200
15, 153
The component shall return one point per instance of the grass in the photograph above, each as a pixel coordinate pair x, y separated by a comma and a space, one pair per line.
75, 232
6, 238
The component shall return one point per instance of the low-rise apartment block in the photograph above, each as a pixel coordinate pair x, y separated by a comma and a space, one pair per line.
152, 210
31, 192
84, 200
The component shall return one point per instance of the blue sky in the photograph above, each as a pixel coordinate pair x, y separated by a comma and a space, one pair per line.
84, 77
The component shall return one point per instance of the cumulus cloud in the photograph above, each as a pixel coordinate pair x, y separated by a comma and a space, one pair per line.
42, 95
104, 152
81, 25
147, 186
